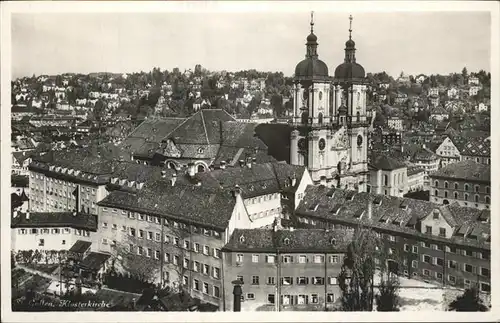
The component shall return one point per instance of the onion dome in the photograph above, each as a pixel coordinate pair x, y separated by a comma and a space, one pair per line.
350, 69
311, 68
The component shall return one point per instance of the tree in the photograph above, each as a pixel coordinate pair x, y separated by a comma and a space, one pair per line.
387, 298
469, 301
356, 279
465, 74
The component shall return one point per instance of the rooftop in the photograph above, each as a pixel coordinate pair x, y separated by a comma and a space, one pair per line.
465, 170
289, 240
55, 219
480, 147
384, 162
396, 214
80, 246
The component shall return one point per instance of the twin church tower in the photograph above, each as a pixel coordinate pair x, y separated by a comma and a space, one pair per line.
330, 123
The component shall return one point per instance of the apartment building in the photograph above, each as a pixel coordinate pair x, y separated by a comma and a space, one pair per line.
415, 178
478, 150
284, 269
466, 183
51, 230
427, 160
444, 244
449, 149
388, 176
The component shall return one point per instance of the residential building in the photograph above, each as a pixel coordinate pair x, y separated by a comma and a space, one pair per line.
400, 98
20, 163
420, 78
416, 177
395, 123
284, 269
478, 150
445, 244
473, 90
453, 93
449, 150
51, 230
388, 176
439, 114
427, 160
473, 80
466, 183
433, 92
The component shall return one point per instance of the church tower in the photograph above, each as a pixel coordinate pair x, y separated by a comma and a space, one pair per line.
311, 112
349, 109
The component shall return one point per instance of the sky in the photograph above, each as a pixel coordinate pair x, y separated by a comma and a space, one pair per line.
413, 42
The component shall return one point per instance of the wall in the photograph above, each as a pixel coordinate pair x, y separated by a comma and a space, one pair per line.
451, 190
52, 241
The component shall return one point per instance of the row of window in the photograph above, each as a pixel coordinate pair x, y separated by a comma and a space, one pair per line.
286, 259
466, 187
78, 232
456, 196
166, 222
265, 213
203, 287
61, 182
41, 242
300, 299
484, 287
288, 280
262, 198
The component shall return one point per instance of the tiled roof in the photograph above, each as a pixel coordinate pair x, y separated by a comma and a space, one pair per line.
155, 130
55, 219
188, 203
19, 181
94, 260
424, 154
80, 246
389, 215
21, 156
289, 240
479, 147
139, 173
258, 180
384, 162
465, 170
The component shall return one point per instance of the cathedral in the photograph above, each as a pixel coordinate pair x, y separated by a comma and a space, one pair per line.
330, 124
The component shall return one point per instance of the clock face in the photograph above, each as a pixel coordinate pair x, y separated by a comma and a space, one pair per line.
322, 144
302, 144
360, 140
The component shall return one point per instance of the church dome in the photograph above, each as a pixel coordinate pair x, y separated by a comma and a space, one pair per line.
312, 37
350, 43
310, 68
349, 70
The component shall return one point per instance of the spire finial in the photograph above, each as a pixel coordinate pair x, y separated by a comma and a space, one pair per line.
312, 21
350, 26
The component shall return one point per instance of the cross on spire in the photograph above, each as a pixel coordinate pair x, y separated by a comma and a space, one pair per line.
350, 26
312, 21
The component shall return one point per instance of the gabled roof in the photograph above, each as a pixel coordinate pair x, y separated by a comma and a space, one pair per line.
388, 215
465, 170
439, 110
384, 162
55, 219
289, 240
80, 246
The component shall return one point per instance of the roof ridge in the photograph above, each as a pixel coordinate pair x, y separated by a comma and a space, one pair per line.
205, 128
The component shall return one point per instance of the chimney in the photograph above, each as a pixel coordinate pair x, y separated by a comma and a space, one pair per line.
236, 191
191, 170
254, 160
293, 180
322, 180
173, 179
223, 165
74, 213
242, 163
27, 215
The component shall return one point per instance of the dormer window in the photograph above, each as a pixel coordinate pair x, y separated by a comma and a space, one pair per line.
286, 241
350, 196
377, 200
201, 150
435, 215
333, 241
242, 239
336, 209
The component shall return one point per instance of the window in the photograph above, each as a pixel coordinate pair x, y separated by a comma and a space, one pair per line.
485, 287
176, 260
440, 262
415, 249
287, 259
196, 266
255, 258
428, 229
250, 296
445, 184
239, 258
436, 183
468, 268
451, 279
426, 272
55, 231
206, 250
104, 225
216, 292
426, 258
314, 299
455, 195
141, 234
466, 187
166, 257
41, 242
216, 272
271, 299
286, 281
270, 259
140, 251
318, 281
196, 284
452, 264
334, 259
435, 215
485, 272
319, 259
140, 217
64, 242
487, 190
157, 236
186, 244
436, 193
407, 248
456, 186
205, 288
206, 269
132, 232
392, 238
302, 280
476, 188
239, 278
439, 275
332, 280
185, 280
104, 241
271, 280
330, 298
255, 280
217, 253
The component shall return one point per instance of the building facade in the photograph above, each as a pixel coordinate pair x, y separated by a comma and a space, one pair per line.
388, 176
466, 183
